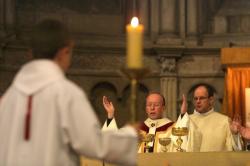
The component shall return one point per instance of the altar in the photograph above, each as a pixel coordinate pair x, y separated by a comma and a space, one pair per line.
184, 159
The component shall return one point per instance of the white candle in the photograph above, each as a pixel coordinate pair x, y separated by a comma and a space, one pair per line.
247, 103
134, 44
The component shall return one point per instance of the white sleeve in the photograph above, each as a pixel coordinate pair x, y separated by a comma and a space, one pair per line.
191, 142
183, 121
112, 125
83, 132
238, 142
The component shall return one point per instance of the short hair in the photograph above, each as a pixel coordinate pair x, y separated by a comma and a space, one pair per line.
48, 37
158, 93
210, 89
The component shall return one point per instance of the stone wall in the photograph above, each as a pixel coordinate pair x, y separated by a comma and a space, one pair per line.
181, 45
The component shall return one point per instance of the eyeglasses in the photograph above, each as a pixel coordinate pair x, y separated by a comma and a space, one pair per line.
201, 98
153, 104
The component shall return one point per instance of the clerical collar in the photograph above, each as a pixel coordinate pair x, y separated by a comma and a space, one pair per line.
157, 122
204, 114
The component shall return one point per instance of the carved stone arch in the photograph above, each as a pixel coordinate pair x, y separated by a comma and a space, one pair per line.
96, 94
142, 92
217, 101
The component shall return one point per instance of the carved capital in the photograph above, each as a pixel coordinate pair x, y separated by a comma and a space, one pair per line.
167, 65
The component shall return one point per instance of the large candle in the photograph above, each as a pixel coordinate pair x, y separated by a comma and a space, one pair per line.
134, 44
247, 102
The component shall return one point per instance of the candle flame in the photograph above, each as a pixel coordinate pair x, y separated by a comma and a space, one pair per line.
134, 22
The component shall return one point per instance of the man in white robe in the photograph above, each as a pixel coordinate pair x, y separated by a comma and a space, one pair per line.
214, 127
157, 126
46, 120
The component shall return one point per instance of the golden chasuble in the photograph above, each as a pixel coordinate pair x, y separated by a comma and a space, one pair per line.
156, 128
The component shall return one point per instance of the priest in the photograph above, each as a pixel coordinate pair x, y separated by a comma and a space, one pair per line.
214, 126
156, 126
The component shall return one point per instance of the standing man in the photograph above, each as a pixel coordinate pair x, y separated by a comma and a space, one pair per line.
46, 120
156, 125
214, 127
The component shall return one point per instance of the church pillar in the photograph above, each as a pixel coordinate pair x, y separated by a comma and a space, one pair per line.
9, 14
1, 18
168, 16
169, 91
192, 18
168, 81
144, 14
182, 19
154, 19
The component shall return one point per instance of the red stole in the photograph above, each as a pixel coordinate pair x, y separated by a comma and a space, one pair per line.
145, 128
28, 119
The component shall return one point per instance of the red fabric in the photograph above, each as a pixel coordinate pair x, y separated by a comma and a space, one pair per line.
145, 128
28, 119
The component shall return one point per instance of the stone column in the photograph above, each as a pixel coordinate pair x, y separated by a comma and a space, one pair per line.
168, 16
1, 18
144, 14
9, 12
182, 18
169, 91
169, 85
192, 17
154, 19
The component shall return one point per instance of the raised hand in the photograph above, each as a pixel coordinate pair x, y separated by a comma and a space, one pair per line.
235, 125
108, 106
245, 132
184, 105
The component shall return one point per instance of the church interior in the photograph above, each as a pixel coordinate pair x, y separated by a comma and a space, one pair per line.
185, 43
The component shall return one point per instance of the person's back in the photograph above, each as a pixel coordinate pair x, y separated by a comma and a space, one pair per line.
38, 95
47, 120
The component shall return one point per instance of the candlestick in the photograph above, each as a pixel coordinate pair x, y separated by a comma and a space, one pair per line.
134, 75
134, 44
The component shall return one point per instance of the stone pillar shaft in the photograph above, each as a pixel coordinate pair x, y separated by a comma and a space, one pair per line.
192, 17
182, 18
169, 91
168, 16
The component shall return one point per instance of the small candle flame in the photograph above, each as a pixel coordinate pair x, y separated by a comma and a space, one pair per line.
134, 22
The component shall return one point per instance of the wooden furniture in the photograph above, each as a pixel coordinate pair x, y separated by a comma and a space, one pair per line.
235, 56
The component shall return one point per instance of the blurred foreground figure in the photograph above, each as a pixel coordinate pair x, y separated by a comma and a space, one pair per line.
46, 120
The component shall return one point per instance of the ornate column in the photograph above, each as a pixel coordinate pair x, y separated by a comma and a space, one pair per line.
169, 90
169, 83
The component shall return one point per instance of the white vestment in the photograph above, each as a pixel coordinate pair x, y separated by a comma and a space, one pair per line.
62, 126
215, 130
162, 128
